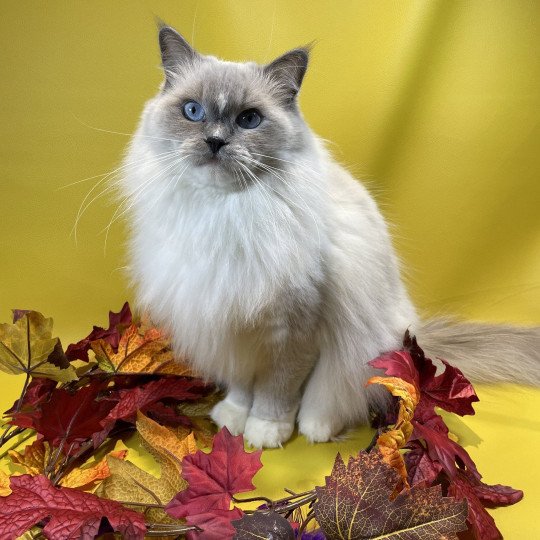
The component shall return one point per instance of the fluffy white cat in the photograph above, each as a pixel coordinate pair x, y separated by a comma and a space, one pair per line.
270, 265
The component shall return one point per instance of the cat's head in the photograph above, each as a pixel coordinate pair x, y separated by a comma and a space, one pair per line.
226, 116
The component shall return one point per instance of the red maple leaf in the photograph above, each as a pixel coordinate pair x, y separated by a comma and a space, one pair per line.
117, 322
37, 392
128, 401
450, 390
68, 419
70, 513
438, 458
214, 478
466, 486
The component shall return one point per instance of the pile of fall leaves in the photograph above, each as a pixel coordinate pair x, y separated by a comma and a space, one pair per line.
415, 482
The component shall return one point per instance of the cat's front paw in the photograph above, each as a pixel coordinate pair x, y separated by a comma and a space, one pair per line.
230, 415
262, 433
317, 429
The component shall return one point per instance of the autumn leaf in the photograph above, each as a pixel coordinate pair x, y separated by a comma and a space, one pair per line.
466, 486
117, 323
392, 441
147, 352
126, 402
421, 468
37, 455
215, 477
129, 483
68, 419
26, 345
5, 490
167, 449
263, 525
71, 513
355, 503
450, 390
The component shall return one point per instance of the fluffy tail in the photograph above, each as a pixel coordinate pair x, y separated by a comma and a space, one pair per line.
485, 353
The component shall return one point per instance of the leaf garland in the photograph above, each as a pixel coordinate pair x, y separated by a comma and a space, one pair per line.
417, 483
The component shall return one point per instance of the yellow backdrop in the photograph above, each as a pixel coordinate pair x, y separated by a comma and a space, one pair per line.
435, 104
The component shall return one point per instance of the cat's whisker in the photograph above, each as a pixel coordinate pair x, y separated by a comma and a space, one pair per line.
123, 166
84, 206
136, 195
116, 217
122, 133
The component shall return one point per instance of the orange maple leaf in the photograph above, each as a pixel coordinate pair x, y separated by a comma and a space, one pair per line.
140, 351
390, 442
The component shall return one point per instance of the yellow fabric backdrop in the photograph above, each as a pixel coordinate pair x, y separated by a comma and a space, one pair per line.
435, 104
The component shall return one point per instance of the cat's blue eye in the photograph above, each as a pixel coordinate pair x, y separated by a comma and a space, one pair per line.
193, 111
249, 119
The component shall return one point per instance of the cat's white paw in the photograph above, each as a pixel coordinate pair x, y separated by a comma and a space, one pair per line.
267, 433
232, 416
317, 429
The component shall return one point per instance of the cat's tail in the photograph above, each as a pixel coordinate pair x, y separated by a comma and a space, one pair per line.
484, 352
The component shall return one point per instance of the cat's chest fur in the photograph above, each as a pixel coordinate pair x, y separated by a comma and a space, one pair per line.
213, 260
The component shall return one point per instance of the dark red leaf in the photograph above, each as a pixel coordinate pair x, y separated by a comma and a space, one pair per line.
117, 322
442, 449
167, 416
68, 419
450, 390
130, 400
37, 392
420, 467
71, 513
496, 495
482, 524
215, 477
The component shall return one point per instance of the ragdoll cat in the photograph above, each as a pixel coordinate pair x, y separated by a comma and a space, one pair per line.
269, 264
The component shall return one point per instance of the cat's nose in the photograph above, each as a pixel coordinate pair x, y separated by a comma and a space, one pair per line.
215, 143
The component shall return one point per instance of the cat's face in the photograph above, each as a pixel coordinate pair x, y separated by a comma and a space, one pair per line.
225, 116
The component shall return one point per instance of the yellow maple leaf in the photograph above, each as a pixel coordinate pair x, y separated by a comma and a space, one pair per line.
26, 345
390, 442
130, 483
5, 490
139, 351
37, 455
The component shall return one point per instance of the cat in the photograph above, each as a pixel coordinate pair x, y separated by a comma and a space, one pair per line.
269, 264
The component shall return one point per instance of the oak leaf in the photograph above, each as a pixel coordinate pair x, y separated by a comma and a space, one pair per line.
139, 353
356, 503
25, 347
70, 513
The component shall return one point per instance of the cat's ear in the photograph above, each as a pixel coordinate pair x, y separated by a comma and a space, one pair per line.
175, 51
288, 71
